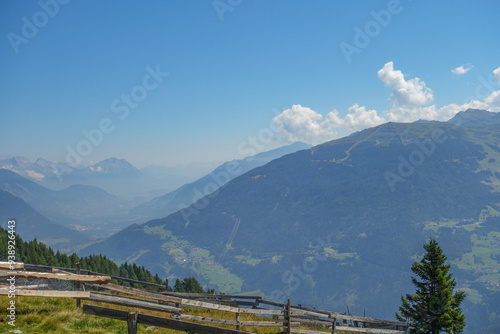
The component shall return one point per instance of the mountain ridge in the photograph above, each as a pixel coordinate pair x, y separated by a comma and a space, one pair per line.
333, 200
186, 195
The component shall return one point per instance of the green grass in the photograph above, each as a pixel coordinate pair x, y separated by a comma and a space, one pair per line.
248, 260
56, 315
482, 258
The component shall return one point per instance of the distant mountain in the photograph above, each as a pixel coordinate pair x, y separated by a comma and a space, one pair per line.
38, 171
30, 224
475, 117
189, 193
71, 206
341, 223
111, 167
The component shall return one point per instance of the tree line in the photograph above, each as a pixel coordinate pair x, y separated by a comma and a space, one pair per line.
36, 252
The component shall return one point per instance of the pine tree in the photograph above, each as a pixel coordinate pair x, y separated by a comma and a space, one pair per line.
434, 307
178, 286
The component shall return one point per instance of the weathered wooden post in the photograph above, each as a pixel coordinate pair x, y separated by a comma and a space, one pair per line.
288, 317
78, 303
166, 284
132, 322
238, 321
334, 325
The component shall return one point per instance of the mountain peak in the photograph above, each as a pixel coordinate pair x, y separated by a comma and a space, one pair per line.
114, 166
475, 117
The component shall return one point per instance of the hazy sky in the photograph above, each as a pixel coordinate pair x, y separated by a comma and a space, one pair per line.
171, 82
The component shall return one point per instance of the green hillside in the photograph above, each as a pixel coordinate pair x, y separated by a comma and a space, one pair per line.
340, 224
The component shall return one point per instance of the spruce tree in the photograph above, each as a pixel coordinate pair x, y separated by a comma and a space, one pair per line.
435, 307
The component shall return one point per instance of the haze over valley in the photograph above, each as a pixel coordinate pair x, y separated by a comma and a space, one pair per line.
287, 149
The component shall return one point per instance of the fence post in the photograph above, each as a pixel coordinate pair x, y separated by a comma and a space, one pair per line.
238, 321
132, 322
166, 284
288, 317
334, 325
78, 303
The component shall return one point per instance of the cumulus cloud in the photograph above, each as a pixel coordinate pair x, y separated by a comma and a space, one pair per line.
493, 101
408, 93
358, 118
497, 74
461, 70
407, 97
410, 100
304, 124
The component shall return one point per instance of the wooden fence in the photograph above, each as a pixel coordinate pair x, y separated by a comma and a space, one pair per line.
284, 316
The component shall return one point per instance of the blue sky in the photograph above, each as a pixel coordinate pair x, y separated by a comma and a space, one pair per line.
237, 69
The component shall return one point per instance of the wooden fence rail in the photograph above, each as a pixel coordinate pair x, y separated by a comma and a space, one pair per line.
348, 329
140, 318
57, 276
88, 272
285, 317
132, 302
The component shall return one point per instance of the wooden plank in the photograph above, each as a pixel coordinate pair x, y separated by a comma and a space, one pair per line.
132, 322
105, 312
63, 277
133, 281
312, 321
205, 295
234, 303
268, 302
186, 302
349, 329
369, 330
268, 323
49, 293
29, 287
88, 272
59, 271
288, 317
210, 306
158, 321
28, 266
131, 302
334, 315
232, 322
205, 319
78, 287
139, 293
11, 266
303, 331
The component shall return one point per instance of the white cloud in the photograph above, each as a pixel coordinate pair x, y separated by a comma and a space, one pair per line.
410, 101
448, 111
497, 74
408, 93
461, 70
304, 124
493, 101
407, 97
359, 118
411, 114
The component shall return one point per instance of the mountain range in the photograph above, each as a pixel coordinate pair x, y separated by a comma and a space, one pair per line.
90, 209
31, 224
341, 223
189, 193
116, 176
